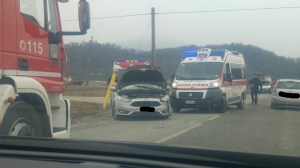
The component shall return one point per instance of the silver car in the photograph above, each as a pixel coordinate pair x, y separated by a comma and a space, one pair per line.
286, 93
141, 91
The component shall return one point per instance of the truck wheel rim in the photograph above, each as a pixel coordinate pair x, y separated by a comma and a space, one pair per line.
22, 127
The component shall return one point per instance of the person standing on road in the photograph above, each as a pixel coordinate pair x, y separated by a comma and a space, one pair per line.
255, 83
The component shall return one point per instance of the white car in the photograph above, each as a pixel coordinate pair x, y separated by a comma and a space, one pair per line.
286, 93
141, 91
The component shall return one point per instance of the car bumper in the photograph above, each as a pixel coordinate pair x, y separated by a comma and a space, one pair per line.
212, 99
126, 109
281, 101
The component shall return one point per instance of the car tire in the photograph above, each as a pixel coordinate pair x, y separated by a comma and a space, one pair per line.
19, 117
273, 106
113, 112
166, 117
176, 109
116, 116
223, 106
241, 104
112, 108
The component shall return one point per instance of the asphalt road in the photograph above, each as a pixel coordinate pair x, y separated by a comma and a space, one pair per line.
256, 128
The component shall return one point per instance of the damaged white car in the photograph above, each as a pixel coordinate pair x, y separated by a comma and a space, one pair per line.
141, 91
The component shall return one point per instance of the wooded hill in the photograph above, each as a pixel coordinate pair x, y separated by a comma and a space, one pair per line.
88, 59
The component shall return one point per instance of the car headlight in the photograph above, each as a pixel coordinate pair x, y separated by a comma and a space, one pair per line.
174, 85
165, 98
124, 99
214, 84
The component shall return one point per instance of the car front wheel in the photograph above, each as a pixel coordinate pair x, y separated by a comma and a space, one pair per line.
241, 104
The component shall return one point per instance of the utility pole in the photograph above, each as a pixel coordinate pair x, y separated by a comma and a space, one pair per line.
153, 35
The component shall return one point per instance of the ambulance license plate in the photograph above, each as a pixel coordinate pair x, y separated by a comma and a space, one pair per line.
190, 102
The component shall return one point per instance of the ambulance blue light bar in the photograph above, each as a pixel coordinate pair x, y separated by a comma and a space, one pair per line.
190, 54
120, 60
142, 60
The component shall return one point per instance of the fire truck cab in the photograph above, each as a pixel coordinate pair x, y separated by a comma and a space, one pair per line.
209, 78
33, 66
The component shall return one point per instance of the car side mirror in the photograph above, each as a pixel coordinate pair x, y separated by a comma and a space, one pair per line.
228, 77
113, 89
172, 77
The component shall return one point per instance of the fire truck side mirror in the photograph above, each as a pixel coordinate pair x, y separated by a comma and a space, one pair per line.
84, 20
84, 15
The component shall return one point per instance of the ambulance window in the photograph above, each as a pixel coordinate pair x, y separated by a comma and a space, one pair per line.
227, 68
238, 71
243, 72
33, 10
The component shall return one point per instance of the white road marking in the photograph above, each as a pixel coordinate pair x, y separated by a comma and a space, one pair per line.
80, 125
183, 131
94, 122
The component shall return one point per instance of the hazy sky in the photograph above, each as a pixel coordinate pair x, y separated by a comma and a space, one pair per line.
274, 30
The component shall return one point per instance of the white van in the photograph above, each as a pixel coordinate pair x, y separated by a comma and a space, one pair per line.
209, 78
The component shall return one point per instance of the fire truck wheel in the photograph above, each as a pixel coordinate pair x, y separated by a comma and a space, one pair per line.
21, 119
223, 106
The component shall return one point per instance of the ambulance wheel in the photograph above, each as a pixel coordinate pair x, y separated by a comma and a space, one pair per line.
21, 119
223, 106
240, 105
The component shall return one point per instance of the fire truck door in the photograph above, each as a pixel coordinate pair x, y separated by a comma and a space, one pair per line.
1, 39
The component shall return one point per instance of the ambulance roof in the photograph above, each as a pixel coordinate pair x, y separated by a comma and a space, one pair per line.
206, 52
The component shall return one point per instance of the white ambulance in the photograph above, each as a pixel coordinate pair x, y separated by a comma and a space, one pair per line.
209, 78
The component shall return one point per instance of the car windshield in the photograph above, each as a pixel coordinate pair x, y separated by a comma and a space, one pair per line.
120, 72
199, 71
57, 73
265, 83
289, 85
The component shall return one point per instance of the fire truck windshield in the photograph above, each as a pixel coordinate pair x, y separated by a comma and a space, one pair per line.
199, 71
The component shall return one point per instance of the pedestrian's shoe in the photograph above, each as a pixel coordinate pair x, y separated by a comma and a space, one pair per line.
255, 103
252, 102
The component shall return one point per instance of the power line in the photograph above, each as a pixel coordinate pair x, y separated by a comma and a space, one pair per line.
144, 35
109, 17
230, 10
165, 13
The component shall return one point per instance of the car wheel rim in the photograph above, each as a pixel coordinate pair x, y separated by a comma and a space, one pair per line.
22, 127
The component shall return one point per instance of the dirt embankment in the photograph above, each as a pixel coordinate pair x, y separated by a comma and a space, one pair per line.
86, 91
82, 110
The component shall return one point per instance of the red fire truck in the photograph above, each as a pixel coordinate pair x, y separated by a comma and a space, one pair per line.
33, 64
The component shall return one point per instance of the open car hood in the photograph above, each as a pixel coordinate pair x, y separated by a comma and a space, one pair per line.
144, 74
